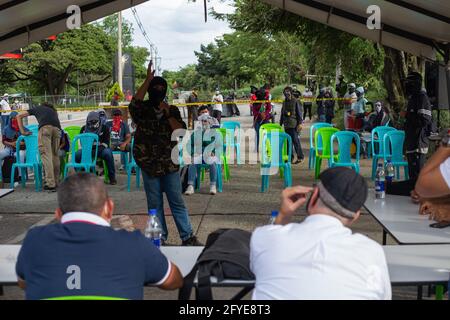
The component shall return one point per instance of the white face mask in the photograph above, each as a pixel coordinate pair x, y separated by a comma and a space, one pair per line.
378, 108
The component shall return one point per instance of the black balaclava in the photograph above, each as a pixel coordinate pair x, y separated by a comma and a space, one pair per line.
413, 83
288, 93
157, 95
93, 124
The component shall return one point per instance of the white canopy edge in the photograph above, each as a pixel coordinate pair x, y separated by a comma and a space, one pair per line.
43, 23
405, 40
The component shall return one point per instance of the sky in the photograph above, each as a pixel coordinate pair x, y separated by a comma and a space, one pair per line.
177, 28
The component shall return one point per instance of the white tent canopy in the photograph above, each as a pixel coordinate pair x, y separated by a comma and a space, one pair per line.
26, 21
415, 26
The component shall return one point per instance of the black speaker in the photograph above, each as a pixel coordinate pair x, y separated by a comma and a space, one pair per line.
437, 84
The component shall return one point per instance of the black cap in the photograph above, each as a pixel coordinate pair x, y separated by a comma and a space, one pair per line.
343, 190
117, 112
413, 76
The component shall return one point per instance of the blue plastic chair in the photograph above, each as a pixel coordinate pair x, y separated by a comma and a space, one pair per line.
88, 162
380, 132
278, 141
34, 128
233, 137
393, 150
312, 149
345, 140
133, 165
32, 160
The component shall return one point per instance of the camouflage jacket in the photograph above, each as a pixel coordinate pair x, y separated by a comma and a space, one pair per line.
152, 141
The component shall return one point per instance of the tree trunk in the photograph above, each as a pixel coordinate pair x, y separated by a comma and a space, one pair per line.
395, 68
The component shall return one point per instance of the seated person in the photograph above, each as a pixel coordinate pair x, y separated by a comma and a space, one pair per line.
358, 111
320, 258
84, 256
93, 125
205, 123
432, 189
120, 134
9, 139
380, 117
64, 147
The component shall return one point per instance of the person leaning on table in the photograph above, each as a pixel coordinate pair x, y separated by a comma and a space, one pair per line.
432, 189
83, 256
320, 258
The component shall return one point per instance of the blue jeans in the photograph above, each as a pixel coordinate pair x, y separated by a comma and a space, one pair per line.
4, 122
104, 154
192, 174
171, 185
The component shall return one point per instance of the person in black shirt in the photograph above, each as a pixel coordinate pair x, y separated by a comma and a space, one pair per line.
93, 125
49, 140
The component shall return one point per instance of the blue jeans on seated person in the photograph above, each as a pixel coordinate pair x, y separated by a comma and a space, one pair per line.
104, 154
192, 174
170, 185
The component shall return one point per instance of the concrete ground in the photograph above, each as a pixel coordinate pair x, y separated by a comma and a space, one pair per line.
241, 205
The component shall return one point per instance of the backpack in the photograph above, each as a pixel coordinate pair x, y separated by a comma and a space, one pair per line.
7, 168
226, 256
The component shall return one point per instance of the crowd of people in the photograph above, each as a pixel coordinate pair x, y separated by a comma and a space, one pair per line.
348, 265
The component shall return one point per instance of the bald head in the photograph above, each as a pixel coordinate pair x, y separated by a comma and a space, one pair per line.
82, 192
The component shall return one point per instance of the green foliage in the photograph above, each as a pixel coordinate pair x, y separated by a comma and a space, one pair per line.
113, 90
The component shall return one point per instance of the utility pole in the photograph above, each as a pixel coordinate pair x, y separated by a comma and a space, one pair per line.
119, 53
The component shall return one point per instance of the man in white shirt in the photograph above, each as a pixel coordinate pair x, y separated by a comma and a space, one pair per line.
320, 258
218, 108
433, 186
5, 112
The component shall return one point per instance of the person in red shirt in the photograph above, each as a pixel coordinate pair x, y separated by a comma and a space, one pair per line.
261, 113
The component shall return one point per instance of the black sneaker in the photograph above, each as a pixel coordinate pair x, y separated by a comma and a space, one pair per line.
112, 182
50, 189
192, 242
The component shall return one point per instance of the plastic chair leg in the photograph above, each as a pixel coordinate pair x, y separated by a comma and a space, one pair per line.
219, 178
238, 154
129, 179
318, 164
312, 154
138, 177
374, 166
406, 172
12, 176
197, 180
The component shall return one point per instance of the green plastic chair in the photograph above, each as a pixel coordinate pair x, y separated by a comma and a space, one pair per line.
266, 128
72, 132
325, 135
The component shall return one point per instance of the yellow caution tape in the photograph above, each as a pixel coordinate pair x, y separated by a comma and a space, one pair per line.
195, 104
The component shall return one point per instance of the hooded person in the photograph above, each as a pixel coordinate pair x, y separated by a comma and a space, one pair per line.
104, 152
418, 124
9, 139
291, 119
103, 116
321, 103
157, 154
120, 136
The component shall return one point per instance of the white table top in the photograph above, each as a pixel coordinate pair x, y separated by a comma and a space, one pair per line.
408, 265
400, 218
5, 192
183, 257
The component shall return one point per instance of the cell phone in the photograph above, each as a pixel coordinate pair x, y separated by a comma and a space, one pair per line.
440, 225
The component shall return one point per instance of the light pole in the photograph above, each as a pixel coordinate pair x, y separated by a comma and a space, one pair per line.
119, 52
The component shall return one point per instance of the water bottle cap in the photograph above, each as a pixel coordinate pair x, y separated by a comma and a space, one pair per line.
274, 214
152, 212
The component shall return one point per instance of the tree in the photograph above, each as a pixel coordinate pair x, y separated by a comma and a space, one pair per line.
85, 52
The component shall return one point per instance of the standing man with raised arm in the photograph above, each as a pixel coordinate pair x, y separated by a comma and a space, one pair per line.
155, 122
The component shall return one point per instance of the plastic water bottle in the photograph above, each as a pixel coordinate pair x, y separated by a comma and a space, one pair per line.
390, 172
379, 183
273, 217
153, 231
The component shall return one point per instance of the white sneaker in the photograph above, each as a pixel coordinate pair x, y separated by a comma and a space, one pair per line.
189, 191
213, 190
